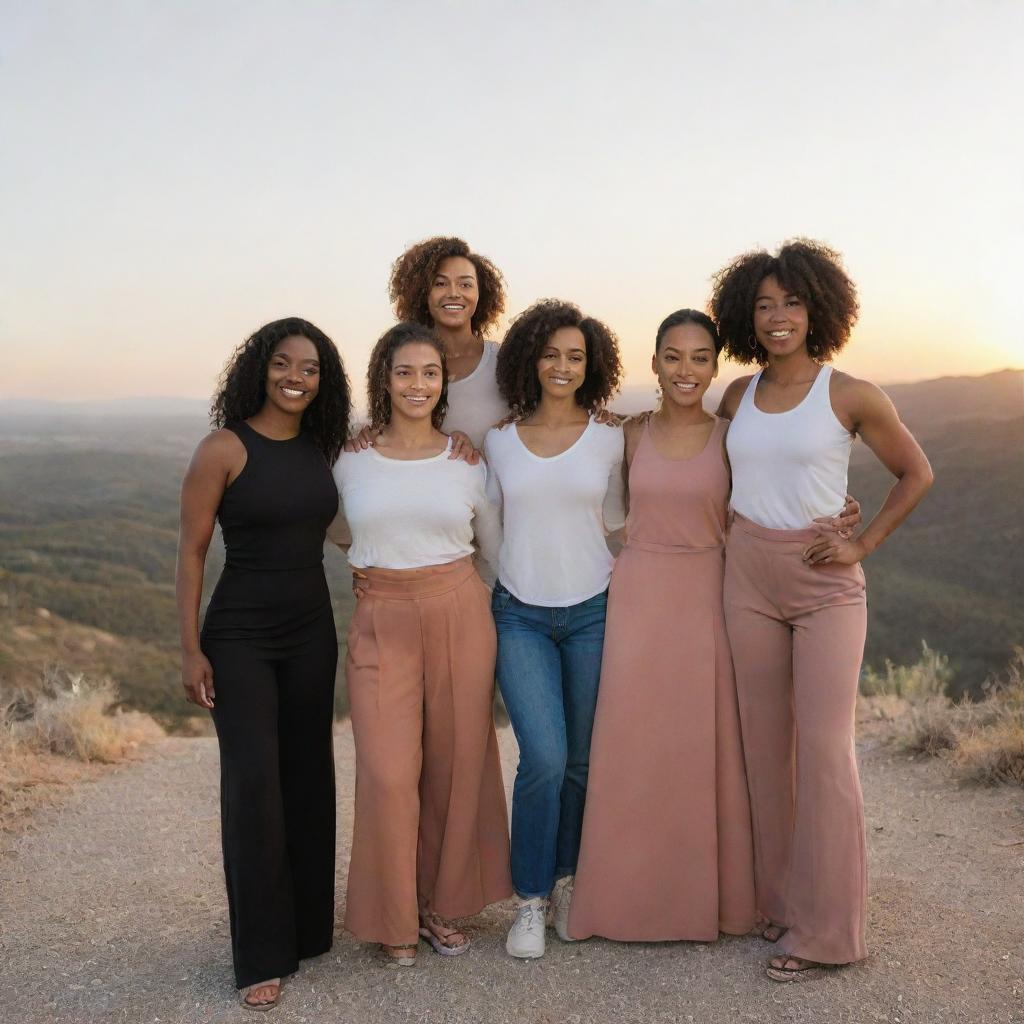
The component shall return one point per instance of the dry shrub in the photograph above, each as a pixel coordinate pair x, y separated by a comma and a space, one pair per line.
992, 755
933, 725
77, 719
928, 677
44, 737
983, 740
993, 751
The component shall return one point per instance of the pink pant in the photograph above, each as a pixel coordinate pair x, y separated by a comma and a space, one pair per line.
797, 636
431, 830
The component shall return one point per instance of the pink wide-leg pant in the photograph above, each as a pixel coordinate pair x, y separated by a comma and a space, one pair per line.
797, 637
431, 829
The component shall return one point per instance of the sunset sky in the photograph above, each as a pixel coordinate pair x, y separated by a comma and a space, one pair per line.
175, 174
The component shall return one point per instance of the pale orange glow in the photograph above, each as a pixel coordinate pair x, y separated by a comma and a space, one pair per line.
207, 195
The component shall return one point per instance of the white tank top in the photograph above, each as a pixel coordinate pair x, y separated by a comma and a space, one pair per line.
475, 403
789, 468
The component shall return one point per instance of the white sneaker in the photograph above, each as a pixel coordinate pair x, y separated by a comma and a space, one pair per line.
526, 936
561, 900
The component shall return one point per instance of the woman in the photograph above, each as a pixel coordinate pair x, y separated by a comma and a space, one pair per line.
666, 850
441, 283
794, 592
268, 648
557, 476
431, 838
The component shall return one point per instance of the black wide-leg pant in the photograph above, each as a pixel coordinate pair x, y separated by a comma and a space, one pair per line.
274, 710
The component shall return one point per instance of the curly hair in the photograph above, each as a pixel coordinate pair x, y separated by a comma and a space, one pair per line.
242, 388
810, 270
378, 373
413, 273
687, 316
527, 336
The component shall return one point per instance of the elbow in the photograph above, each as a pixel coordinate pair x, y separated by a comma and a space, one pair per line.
926, 475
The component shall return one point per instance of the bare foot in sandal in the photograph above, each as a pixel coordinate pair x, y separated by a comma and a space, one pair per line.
446, 940
261, 996
399, 956
772, 932
792, 968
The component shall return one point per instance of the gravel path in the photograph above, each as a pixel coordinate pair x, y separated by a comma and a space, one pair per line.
113, 909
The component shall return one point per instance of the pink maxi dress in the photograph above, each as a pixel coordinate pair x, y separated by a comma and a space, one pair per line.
667, 850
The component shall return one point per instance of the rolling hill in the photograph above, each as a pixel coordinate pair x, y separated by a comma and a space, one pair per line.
88, 529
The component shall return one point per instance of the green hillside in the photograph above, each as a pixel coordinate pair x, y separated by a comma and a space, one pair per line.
952, 574
88, 531
91, 537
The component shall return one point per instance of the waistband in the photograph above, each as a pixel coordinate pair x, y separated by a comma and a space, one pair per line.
748, 526
671, 549
412, 584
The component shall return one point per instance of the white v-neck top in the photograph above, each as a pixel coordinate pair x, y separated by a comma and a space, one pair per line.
556, 513
406, 514
475, 403
789, 468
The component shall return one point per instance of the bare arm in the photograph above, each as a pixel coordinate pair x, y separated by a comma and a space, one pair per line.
870, 413
218, 460
732, 397
633, 430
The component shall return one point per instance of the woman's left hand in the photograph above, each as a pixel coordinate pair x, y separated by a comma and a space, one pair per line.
834, 549
462, 448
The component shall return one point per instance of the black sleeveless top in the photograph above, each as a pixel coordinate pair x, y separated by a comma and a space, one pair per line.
274, 518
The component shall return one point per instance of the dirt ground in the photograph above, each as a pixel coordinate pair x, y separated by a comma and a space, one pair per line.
112, 908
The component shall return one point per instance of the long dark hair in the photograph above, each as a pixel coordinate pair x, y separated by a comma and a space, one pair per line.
378, 373
242, 389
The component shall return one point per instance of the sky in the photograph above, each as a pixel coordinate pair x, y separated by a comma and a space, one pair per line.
175, 174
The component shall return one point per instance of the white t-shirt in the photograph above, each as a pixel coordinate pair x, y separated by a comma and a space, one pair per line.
405, 514
475, 403
556, 513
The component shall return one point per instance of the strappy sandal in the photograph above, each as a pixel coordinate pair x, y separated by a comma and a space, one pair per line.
442, 943
805, 970
771, 932
263, 1004
398, 956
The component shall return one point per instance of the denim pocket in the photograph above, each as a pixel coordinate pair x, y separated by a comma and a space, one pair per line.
500, 598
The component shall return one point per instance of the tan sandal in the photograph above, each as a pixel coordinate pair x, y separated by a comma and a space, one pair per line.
398, 956
442, 943
262, 1004
778, 969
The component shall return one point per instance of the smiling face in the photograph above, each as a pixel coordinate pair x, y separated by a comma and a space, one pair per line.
454, 293
781, 319
562, 366
415, 380
685, 364
293, 374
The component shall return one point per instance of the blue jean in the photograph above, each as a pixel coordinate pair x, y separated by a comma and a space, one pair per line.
549, 668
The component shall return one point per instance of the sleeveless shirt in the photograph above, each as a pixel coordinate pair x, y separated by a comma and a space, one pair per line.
274, 517
678, 505
789, 468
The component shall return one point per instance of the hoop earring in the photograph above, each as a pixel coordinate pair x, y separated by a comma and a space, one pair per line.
752, 343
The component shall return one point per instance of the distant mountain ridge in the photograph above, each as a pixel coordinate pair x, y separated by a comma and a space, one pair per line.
88, 528
999, 394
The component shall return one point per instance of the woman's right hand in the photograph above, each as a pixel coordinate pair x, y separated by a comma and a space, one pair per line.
197, 678
364, 439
